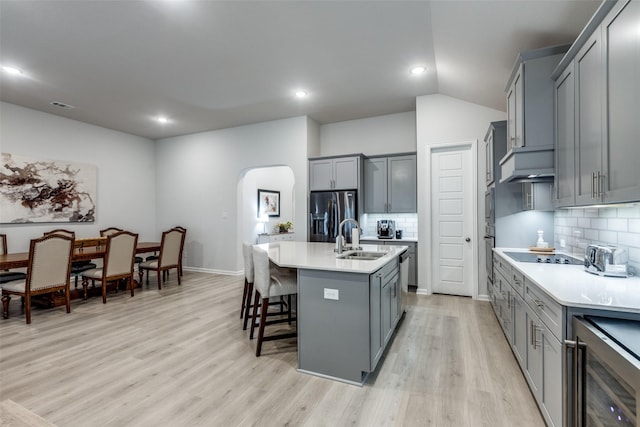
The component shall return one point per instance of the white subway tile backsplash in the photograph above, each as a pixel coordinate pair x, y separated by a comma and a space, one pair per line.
617, 224
629, 239
608, 212
599, 223
608, 225
610, 237
408, 223
584, 222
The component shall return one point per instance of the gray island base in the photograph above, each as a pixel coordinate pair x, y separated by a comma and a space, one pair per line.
347, 309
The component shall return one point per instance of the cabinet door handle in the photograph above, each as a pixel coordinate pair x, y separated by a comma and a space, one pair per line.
594, 185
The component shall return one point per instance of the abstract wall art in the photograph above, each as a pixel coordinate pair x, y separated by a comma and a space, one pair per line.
268, 203
37, 190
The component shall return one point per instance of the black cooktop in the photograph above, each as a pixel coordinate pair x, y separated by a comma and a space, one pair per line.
543, 258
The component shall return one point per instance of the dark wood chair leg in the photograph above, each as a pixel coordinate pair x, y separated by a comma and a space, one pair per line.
67, 298
248, 305
85, 288
244, 297
141, 274
27, 303
263, 321
5, 306
104, 291
159, 279
256, 302
131, 283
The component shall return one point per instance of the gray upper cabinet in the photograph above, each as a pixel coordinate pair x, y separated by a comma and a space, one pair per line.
588, 67
529, 94
602, 73
337, 173
390, 184
564, 99
515, 101
621, 36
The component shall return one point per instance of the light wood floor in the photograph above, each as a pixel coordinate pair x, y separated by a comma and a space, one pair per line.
179, 357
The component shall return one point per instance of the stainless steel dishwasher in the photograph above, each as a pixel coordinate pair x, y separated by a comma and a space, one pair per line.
404, 280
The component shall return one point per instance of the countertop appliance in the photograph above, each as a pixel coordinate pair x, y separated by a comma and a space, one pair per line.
605, 372
327, 209
606, 260
386, 228
543, 258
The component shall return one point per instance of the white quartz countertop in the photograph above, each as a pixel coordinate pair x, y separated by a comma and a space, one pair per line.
571, 285
320, 256
377, 239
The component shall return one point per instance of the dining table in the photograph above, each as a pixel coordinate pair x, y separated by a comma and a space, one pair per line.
81, 252
85, 249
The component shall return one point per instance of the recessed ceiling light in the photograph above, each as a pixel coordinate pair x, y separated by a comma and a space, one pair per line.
12, 70
301, 94
162, 119
418, 70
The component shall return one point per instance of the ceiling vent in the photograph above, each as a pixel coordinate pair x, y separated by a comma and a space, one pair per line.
62, 105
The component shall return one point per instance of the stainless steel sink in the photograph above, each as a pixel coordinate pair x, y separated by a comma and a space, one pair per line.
361, 255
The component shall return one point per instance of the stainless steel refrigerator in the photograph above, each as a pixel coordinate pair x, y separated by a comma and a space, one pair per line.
327, 209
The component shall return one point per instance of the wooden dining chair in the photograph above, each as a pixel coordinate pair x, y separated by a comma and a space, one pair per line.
169, 257
48, 271
77, 267
118, 263
109, 231
184, 238
8, 275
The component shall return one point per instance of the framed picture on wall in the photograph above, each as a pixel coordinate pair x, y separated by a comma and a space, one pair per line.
268, 203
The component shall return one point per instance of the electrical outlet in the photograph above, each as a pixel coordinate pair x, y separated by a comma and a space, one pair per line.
333, 294
563, 243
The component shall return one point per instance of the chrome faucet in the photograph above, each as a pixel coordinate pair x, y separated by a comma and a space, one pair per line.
340, 239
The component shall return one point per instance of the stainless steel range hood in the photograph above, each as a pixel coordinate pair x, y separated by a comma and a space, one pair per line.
528, 164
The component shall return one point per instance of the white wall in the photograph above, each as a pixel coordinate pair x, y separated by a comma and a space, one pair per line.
393, 133
198, 185
442, 119
277, 178
125, 167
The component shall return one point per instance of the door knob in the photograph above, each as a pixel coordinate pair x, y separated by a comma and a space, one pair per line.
468, 239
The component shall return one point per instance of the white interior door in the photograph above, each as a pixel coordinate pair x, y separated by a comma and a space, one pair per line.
452, 220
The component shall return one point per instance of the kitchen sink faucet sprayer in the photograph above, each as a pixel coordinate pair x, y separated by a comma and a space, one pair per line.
340, 243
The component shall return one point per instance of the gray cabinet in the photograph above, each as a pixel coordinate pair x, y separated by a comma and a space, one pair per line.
588, 80
602, 73
384, 300
532, 324
335, 173
537, 196
530, 115
565, 148
488, 150
390, 184
413, 255
515, 101
621, 36
544, 368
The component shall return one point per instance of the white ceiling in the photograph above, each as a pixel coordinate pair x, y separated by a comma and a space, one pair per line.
213, 64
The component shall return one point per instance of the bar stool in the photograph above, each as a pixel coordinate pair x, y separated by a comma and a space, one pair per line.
268, 285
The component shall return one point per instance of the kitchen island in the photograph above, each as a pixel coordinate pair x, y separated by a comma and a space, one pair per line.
348, 309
